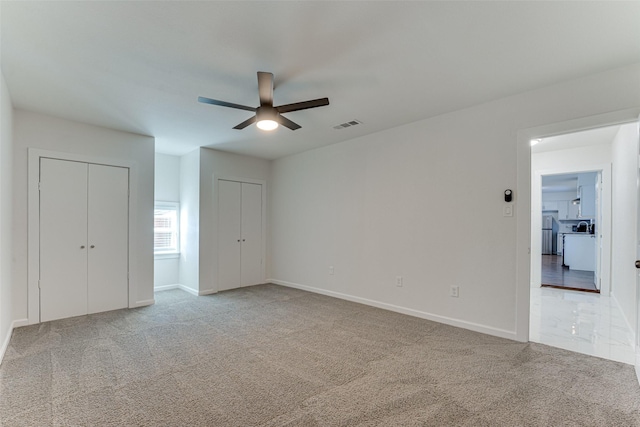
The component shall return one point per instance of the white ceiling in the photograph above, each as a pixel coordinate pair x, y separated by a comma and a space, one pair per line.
140, 66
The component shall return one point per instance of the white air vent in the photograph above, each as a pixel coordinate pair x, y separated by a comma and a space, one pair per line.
347, 124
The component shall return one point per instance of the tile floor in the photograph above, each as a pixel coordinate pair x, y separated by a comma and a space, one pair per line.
582, 322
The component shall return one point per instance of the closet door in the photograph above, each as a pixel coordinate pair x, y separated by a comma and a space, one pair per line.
63, 239
229, 232
251, 232
108, 238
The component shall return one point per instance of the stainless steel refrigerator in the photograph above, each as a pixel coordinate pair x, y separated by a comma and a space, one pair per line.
549, 234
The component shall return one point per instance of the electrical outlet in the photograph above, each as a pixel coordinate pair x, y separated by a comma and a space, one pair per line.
399, 281
331, 270
454, 291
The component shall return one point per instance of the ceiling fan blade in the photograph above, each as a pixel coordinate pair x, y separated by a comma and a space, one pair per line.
245, 123
287, 123
303, 105
225, 104
265, 88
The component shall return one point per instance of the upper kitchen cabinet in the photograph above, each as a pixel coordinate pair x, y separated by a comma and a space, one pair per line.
587, 194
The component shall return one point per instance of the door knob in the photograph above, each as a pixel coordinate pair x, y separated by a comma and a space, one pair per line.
638, 263
243, 240
93, 246
82, 247
238, 240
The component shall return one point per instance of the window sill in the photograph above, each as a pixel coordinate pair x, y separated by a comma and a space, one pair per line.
166, 256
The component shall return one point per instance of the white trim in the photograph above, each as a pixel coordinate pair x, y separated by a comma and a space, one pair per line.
173, 255
476, 327
143, 303
523, 195
165, 287
261, 182
33, 228
188, 289
5, 344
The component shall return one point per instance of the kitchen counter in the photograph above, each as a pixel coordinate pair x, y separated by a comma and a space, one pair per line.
580, 251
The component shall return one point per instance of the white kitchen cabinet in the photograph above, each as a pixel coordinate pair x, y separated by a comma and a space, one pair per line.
559, 245
550, 206
84, 238
239, 234
567, 210
580, 251
588, 201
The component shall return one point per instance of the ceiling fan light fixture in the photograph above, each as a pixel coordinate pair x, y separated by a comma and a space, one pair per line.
267, 124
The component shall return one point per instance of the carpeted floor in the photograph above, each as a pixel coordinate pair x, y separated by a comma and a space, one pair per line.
273, 356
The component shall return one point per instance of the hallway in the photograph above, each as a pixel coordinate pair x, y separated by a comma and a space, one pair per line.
586, 323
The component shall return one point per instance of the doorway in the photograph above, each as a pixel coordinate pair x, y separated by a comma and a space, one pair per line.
564, 317
572, 231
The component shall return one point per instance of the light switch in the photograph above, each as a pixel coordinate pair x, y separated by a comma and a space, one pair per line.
507, 210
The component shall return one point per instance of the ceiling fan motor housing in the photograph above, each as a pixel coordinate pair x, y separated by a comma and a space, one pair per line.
266, 112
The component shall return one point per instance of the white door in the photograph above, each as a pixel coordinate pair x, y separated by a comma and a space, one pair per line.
63, 239
598, 233
108, 238
229, 231
251, 227
239, 234
84, 238
638, 259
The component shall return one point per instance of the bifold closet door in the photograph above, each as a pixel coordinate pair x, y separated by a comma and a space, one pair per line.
63, 239
251, 232
108, 238
84, 238
239, 234
229, 242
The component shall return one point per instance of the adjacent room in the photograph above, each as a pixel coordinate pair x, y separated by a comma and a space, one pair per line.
225, 213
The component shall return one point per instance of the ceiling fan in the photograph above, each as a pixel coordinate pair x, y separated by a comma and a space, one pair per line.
267, 116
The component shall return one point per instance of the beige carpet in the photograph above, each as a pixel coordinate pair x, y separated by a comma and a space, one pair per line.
274, 356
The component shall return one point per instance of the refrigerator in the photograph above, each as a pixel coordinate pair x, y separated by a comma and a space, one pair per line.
549, 234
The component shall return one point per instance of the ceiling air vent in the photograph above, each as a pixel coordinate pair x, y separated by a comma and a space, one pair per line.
347, 124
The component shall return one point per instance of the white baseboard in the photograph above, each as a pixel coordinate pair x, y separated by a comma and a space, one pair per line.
476, 327
188, 289
144, 303
165, 287
5, 343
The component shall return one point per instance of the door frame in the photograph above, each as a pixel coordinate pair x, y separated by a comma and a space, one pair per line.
604, 227
263, 183
33, 222
523, 199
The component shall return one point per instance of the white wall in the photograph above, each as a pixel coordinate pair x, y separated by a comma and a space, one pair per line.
625, 191
6, 195
218, 164
167, 189
425, 201
591, 158
190, 220
32, 130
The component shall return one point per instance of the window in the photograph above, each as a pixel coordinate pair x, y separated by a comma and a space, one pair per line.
166, 225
